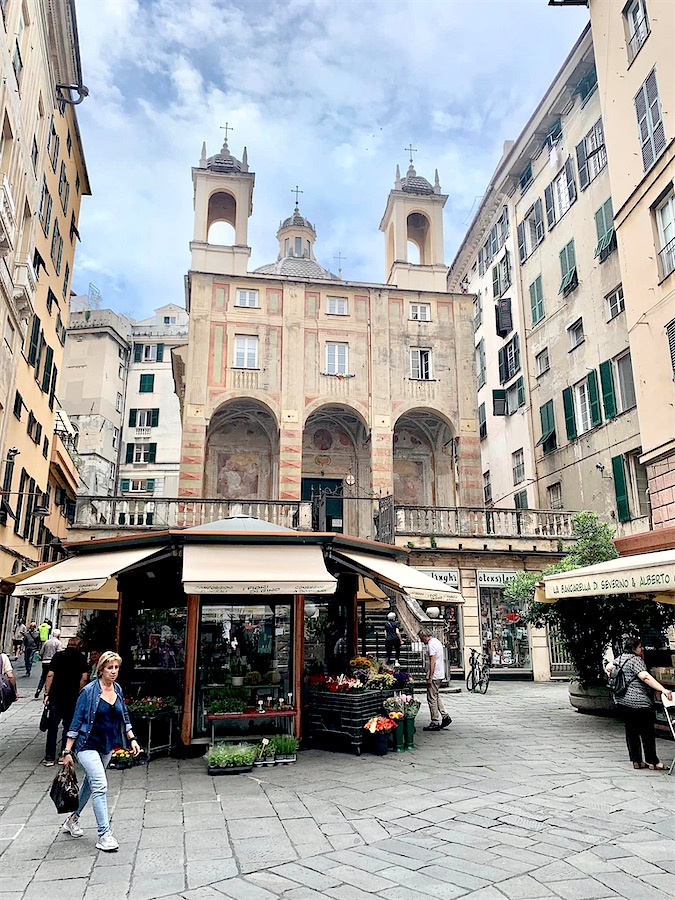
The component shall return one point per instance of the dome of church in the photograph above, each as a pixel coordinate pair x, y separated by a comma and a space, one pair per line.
297, 220
415, 184
225, 162
298, 267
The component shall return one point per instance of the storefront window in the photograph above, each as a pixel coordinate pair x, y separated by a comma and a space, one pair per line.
505, 635
154, 645
327, 637
453, 636
244, 663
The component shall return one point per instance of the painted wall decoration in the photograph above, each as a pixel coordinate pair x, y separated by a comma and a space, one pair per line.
238, 474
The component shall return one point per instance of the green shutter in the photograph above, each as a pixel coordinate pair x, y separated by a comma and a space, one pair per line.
533, 302
125, 484
130, 453
160, 352
152, 452
607, 384
133, 413
154, 422
520, 389
47, 373
563, 262
570, 421
495, 281
594, 398
138, 352
620, 489
544, 416
600, 227
571, 256
150, 485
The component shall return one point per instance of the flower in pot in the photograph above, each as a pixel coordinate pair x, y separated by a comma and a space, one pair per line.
252, 678
121, 758
237, 671
230, 759
285, 747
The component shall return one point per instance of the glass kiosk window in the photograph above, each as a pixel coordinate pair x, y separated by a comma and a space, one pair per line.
505, 635
244, 663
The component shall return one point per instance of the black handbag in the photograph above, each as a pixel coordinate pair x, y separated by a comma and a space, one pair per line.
65, 791
44, 719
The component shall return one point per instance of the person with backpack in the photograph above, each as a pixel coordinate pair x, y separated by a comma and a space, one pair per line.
632, 688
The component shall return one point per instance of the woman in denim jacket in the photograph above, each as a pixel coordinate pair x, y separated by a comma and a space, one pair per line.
100, 723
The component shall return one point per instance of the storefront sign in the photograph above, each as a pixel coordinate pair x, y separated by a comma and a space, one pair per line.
447, 576
643, 580
493, 578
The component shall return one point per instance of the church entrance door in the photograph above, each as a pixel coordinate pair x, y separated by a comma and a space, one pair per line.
314, 488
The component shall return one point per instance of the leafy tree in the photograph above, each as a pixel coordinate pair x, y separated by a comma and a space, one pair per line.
587, 625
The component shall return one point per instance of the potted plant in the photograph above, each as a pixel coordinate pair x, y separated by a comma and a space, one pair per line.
237, 671
121, 758
231, 759
285, 748
252, 678
153, 719
378, 727
266, 753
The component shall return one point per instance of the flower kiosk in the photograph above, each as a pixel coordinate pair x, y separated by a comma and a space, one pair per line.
226, 621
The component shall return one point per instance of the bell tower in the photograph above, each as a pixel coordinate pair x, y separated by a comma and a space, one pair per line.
413, 232
222, 193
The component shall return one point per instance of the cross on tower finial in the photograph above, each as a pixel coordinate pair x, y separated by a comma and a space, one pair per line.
296, 190
340, 259
226, 127
410, 150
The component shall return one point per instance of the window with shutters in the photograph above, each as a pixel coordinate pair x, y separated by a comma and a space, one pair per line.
518, 466
520, 500
245, 351
57, 247
419, 312
149, 352
554, 495
249, 299
568, 269
493, 242
670, 334
623, 379
587, 85
583, 408
477, 311
144, 418
66, 281
515, 396
118, 402
576, 333
115, 437
637, 27
34, 341
509, 359
141, 453
482, 422
46, 379
537, 301
480, 363
45, 210
651, 132
146, 384
541, 362
638, 483
499, 403
503, 226
503, 317
591, 155
9, 332
604, 227
525, 179
487, 487
530, 232
420, 364
621, 489
337, 359
120, 371
665, 223
615, 302
339, 306
554, 134
560, 194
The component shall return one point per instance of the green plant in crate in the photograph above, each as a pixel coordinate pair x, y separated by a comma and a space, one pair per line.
284, 744
226, 705
230, 755
266, 749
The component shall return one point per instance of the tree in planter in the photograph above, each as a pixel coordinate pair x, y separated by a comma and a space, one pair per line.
587, 625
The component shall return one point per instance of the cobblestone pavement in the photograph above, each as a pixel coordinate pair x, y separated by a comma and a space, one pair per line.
519, 798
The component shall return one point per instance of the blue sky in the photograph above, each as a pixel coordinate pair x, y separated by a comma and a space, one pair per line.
324, 93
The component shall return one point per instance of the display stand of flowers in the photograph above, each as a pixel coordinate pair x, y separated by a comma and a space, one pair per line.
153, 720
379, 728
231, 759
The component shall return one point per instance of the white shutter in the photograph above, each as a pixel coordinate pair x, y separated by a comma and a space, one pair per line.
342, 359
331, 359
670, 331
415, 364
655, 121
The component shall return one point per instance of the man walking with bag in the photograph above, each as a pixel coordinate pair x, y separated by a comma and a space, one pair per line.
67, 676
435, 665
47, 652
30, 645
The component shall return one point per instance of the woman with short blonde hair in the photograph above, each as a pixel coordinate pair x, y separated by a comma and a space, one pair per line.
100, 724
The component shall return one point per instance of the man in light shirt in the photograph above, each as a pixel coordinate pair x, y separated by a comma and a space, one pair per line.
47, 652
435, 666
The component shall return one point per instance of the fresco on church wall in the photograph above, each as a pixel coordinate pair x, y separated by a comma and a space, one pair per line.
410, 481
239, 461
238, 475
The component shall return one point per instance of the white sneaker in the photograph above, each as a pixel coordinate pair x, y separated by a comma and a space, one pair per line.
107, 843
72, 826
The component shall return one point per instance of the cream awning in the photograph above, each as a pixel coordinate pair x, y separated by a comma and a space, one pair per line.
402, 578
645, 573
261, 569
86, 572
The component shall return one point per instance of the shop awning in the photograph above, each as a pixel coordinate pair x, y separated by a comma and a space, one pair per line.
399, 577
645, 573
86, 572
256, 569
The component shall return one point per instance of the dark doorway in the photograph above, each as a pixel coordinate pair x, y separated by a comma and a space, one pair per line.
314, 488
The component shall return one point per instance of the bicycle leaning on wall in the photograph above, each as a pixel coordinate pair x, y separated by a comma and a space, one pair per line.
478, 678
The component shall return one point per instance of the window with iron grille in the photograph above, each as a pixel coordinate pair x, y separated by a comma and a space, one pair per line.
651, 132
518, 466
665, 223
637, 25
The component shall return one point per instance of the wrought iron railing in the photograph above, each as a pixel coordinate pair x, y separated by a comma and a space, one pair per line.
667, 258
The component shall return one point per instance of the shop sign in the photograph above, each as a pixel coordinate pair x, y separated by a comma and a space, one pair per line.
494, 578
447, 576
643, 580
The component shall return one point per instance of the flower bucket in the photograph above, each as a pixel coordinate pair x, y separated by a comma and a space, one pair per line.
378, 743
397, 741
408, 726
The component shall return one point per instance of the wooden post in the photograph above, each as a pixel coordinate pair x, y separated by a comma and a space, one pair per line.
191, 636
298, 659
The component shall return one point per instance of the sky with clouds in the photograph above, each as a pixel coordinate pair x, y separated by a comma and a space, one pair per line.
324, 93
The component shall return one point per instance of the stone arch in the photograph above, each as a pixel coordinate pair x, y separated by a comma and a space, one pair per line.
418, 232
221, 218
242, 452
425, 470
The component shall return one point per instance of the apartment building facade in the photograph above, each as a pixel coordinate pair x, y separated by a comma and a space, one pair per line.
573, 381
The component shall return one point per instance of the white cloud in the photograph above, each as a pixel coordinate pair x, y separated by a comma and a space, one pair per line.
324, 94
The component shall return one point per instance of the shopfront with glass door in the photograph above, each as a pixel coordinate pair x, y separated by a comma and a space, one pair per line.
505, 636
451, 613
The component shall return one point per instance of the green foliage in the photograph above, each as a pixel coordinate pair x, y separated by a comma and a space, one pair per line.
284, 744
232, 755
226, 699
266, 751
237, 666
382, 682
587, 625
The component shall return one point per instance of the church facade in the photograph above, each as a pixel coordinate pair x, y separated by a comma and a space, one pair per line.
295, 382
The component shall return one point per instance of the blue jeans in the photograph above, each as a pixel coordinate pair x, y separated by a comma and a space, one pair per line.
95, 786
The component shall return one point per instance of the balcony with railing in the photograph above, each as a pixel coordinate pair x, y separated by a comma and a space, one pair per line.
667, 259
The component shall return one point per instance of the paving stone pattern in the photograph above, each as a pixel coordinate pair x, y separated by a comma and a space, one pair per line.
520, 799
